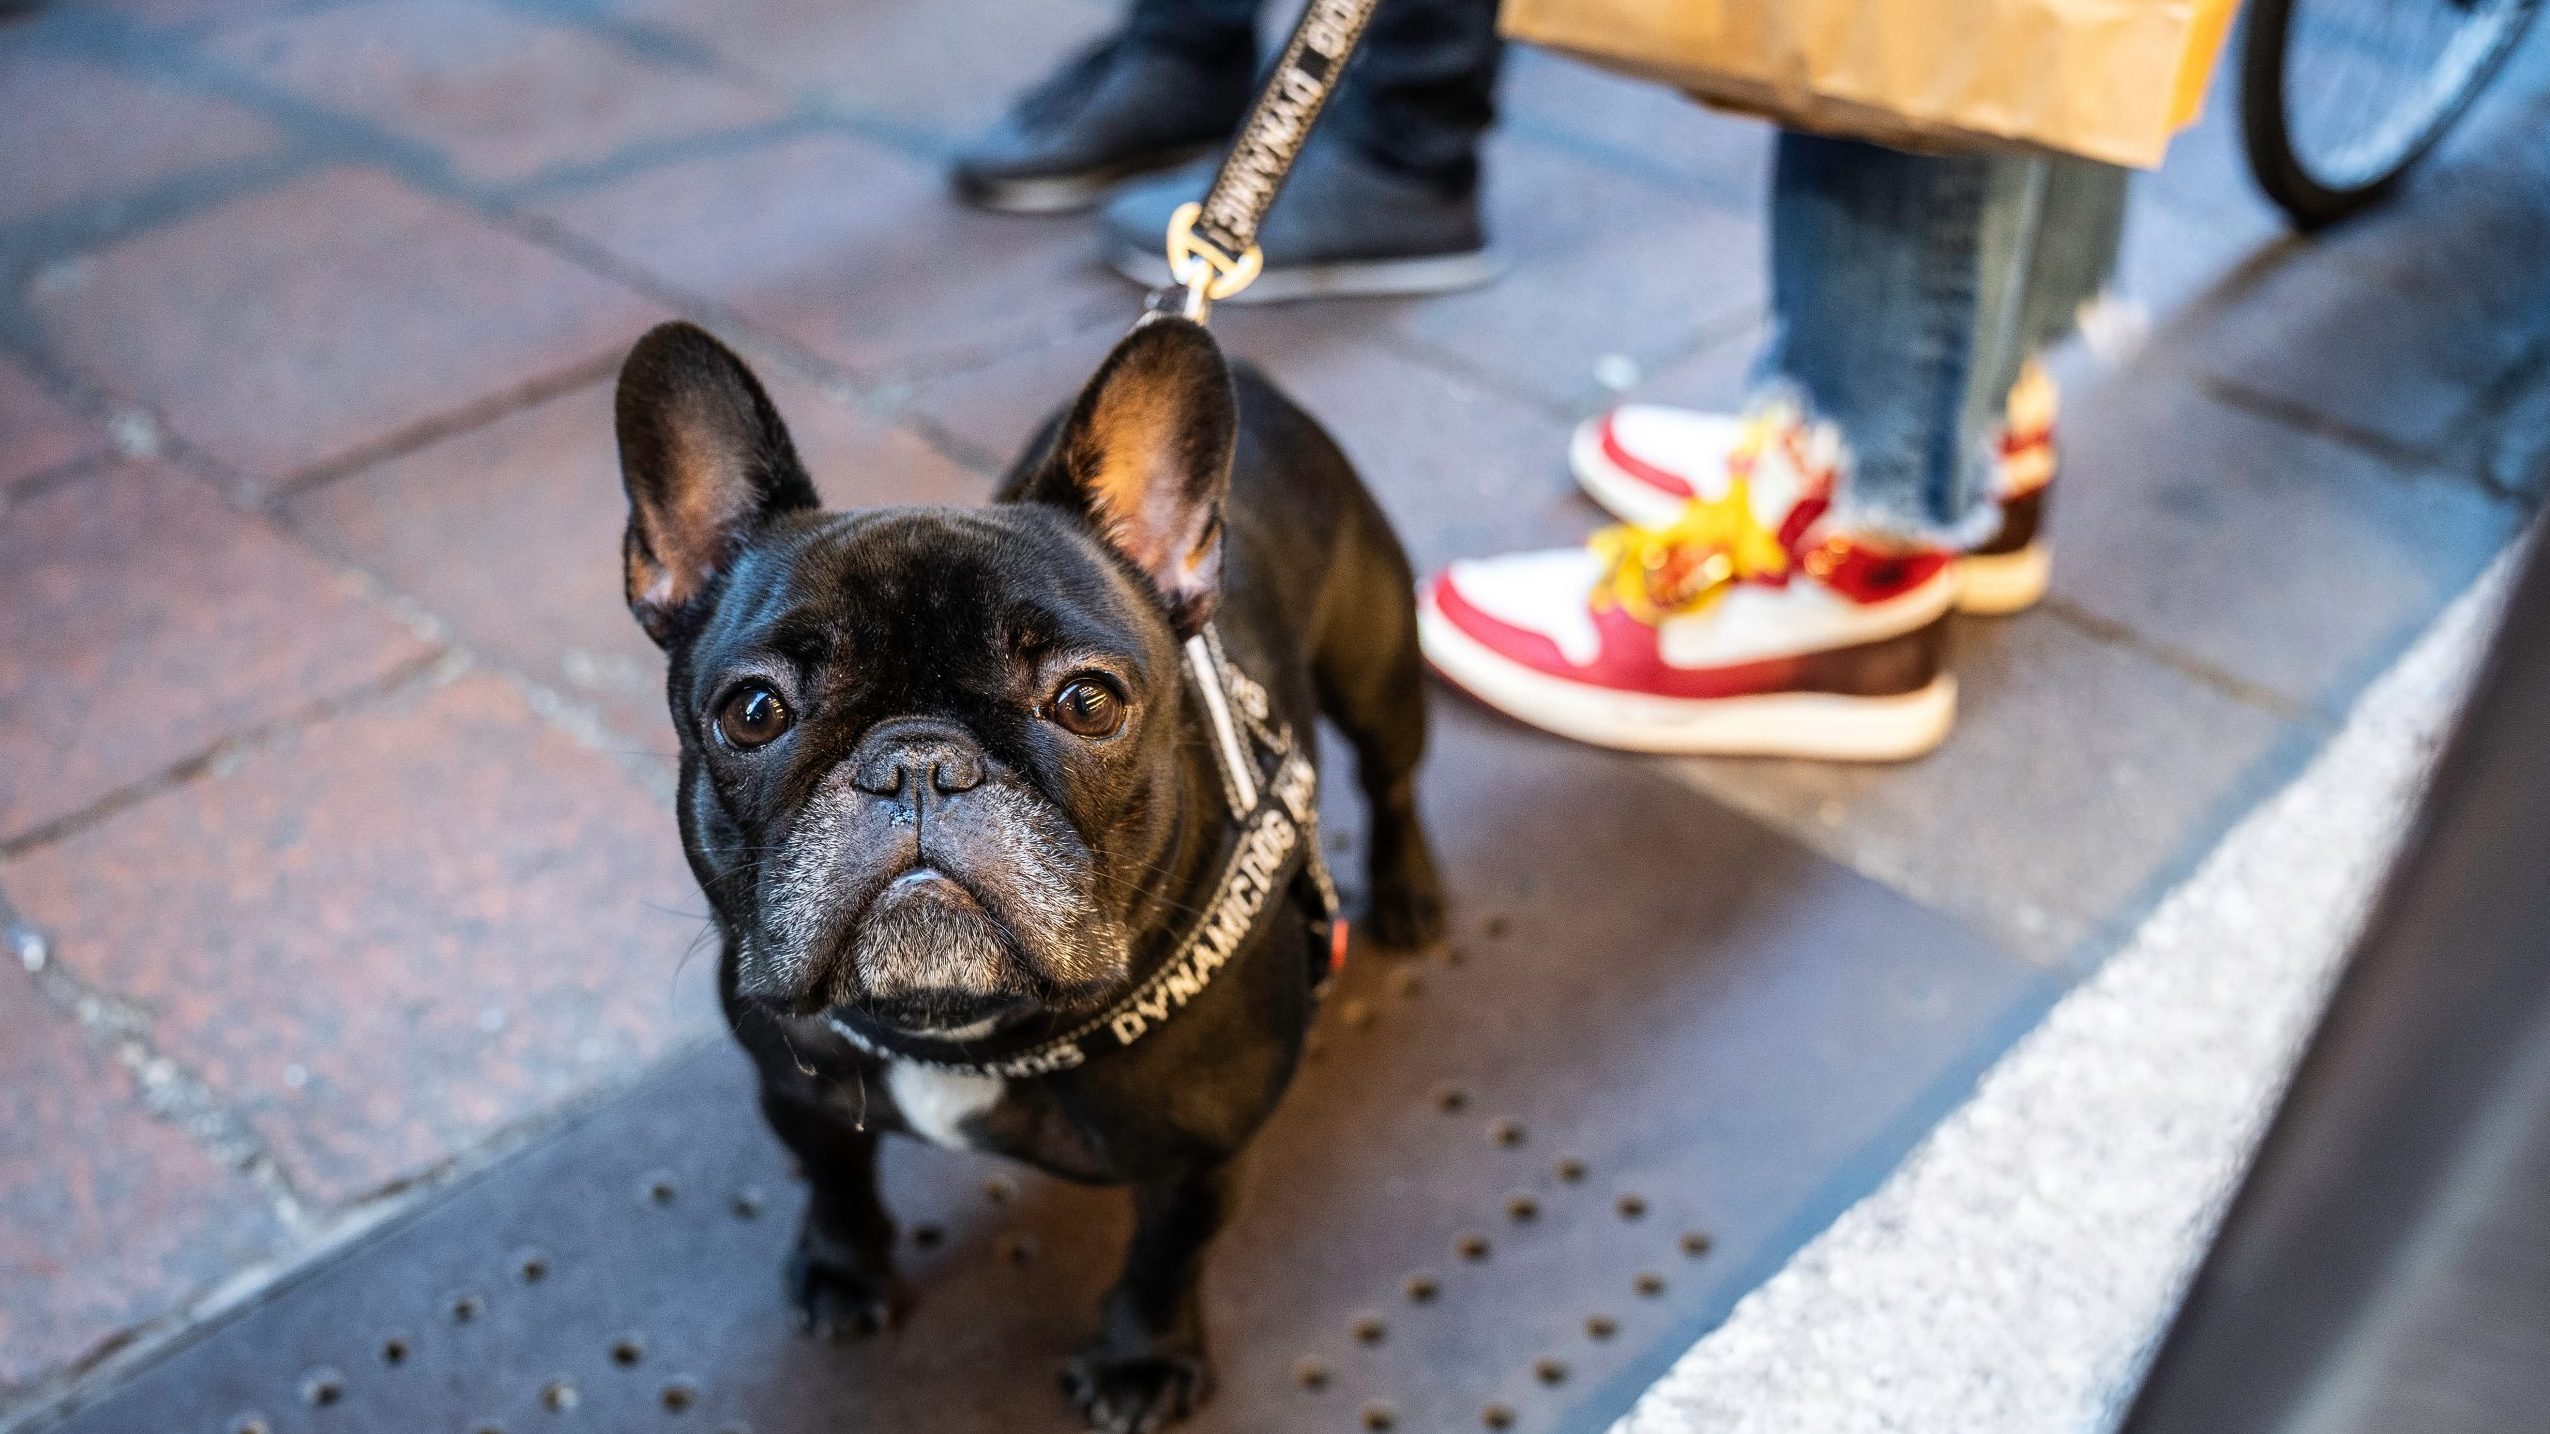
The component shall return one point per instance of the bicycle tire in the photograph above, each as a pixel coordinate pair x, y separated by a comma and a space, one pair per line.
2314, 199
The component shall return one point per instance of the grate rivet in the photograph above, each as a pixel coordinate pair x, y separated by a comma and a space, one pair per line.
559, 1395
1649, 1284
1016, 1249
1369, 1329
1522, 1208
1508, 1133
627, 1351
532, 1265
657, 1189
1497, 1416
394, 1351
1631, 1207
1311, 1374
466, 1308
1601, 1326
1000, 1189
322, 1387
1450, 1098
251, 1424
1380, 1416
1549, 1371
1694, 1243
1423, 1288
1570, 1171
679, 1395
927, 1236
747, 1203
1496, 926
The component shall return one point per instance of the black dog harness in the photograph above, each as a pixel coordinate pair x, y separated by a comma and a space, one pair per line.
1270, 848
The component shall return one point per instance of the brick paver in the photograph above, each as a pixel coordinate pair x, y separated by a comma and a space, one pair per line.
850, 249
39, 432
502, 96
108, 1217
80, 132
293, 326
141, 622
512, 534
392, 936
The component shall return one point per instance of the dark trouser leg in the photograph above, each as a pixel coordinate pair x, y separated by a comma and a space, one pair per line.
1210, 32
1422, 90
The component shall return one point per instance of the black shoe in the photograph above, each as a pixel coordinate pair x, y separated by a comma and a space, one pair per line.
1343, 227
1117, 112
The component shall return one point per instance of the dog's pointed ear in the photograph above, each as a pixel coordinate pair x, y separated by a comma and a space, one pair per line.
1145, 459
706, 462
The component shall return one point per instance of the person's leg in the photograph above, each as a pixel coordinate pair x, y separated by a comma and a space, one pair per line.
1167, 86
1214, 33
1385, 196
1786, 581
1422, 92
1907, 293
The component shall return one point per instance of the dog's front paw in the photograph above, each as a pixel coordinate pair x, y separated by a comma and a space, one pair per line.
1407, 917
1120, 1393
842, 1297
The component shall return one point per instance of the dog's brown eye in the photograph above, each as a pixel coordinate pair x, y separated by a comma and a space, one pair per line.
753, 717
1087, 707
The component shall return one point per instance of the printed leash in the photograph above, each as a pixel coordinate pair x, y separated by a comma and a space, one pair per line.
1213, 244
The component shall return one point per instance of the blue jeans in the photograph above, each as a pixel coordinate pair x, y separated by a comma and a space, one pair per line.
1906, 292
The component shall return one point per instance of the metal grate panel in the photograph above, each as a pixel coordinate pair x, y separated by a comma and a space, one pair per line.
1509, 1187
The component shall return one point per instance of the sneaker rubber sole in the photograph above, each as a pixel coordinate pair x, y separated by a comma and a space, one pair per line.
1352, 279
1067, 193
1777, 724
1988, 585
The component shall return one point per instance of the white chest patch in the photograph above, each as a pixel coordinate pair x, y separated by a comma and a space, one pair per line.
936, 1103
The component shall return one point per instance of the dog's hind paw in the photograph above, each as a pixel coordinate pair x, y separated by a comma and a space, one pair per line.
838, 1300
1135, 1394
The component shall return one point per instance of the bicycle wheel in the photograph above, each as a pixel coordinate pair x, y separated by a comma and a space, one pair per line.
2338, 98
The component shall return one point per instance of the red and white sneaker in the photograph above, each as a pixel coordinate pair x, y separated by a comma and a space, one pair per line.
1643, 462
1744, 625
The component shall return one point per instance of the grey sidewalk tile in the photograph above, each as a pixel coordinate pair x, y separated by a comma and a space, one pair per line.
1635, 126
2285, 560
2081, 776
849, 249
502, 95
941, 68
1601, 265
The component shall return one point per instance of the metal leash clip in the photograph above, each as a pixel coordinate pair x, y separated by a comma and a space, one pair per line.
1197, 262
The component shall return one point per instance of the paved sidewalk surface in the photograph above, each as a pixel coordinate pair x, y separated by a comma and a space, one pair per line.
335, 837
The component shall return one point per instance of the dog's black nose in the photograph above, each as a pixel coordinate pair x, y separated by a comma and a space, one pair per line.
948, 766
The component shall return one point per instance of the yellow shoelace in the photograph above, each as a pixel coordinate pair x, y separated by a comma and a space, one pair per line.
1686, 566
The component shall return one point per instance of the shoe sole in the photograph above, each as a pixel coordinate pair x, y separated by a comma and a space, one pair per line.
1774, 724
1358, 279
1988, 585
1065, 193
1999, 584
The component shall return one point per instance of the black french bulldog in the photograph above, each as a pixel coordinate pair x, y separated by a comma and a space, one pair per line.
949, 780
